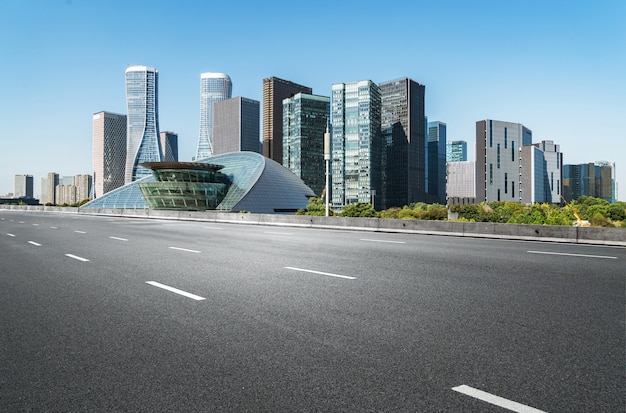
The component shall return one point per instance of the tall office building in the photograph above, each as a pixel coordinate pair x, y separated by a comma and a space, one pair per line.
276, 90
541, 173
108, 153
142, 102
403, 125
236, 125
456, 151
356, 144
590, 179
23, 186
305, 118
169, 146
436, 176
214, 87
498, 159
83, 186
48, 187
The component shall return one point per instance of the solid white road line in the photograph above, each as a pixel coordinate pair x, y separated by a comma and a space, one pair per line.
496, 400
185, 249
382, 240
176, 290
80, 232
321, 273
572, 255
119, 239
10, 235
34, 243
76, 257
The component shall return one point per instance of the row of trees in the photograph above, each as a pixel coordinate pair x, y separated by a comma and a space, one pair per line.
597, 212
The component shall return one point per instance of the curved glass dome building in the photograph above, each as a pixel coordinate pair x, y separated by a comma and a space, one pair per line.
237, 181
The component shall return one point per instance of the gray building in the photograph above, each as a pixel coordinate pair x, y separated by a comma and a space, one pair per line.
541, 173
498, 159
305, 118
169, 146
108, 153
590, 179
23, 186
48, 188
436, 176
236, 125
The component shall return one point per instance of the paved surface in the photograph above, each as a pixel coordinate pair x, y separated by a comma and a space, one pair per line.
118, 314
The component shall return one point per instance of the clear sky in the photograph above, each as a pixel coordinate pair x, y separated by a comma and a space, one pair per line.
558, 67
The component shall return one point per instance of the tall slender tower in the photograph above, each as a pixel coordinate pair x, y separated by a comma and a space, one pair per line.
142, 93
109, 154
214, 87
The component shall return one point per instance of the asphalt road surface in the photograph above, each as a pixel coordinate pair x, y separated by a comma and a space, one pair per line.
117, 314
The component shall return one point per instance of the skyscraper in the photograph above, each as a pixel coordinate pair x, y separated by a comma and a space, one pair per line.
590, 179
541, 173
437, 161
169, 145
214, 87
275, 90
456, 151
23, 186
142, 102
49, 184
236, 125
108, 152
305, 118
356, 143
498, 159
403, 125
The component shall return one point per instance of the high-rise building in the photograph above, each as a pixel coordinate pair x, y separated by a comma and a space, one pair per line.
356, 144
498, 159
590, 179
142, 102
541, 173
108, 153
404, 159
436, 176
461, 179
23, 186
48, 188
456, 151
305, 119
275, 90
214, 87
236, 125
169, 146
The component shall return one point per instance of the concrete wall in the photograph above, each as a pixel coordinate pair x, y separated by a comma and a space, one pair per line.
598, 236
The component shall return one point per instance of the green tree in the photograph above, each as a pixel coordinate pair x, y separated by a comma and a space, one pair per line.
359, 210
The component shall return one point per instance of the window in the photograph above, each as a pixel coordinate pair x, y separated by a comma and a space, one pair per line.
498, 156
506, 183
513, 150
490, 174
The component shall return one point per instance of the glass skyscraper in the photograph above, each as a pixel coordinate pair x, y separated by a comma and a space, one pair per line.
214, 87
356, 144
142, 94
456, 151
437, 161
305, 118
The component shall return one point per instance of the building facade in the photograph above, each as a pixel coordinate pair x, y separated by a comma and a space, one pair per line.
403, 124
356, 144
456, 151
236, 125
48, 187
275, 90
214, 87
169, 145
590, 179
305, 119
23, 186
108, 153
498, 159
461, 179
142, 94
541, 173
436, 170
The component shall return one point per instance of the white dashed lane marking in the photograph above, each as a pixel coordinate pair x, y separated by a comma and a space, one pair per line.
347, 277
176, 290
496, 400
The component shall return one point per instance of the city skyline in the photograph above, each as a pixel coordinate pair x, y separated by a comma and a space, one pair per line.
560, 77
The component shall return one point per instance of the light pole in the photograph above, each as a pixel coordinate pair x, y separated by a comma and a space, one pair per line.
327, 161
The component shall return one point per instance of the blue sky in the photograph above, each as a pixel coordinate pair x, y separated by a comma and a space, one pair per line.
558, 67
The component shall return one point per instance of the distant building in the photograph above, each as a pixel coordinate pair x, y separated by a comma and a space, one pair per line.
541, 173
142, 101
48, 188
590, 179
214, 87
356, 144
456, 151
305, 118
236, 125
169, 146
498, 159
108, 153
78, 189
275, 90
436, 176
23, 186
403, 124
461, 179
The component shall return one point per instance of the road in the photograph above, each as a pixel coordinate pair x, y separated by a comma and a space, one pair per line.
118, 314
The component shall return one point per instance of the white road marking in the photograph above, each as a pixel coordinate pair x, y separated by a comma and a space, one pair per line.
119, 239
321, 273
496, 400
54, 228
278, 233
572, 255
35, 225
382, 240
176, 290
185, 249
80, 232
36, 244
10, 235
21, 222
212, 228
76, 257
